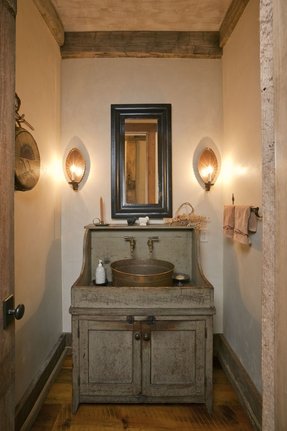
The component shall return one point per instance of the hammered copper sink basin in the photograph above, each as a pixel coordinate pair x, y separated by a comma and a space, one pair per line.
142, 272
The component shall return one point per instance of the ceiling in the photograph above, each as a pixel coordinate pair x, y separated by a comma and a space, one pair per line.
141, 28
141, 15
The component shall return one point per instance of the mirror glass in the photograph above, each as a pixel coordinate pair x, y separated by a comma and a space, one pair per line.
141, 160
141, 176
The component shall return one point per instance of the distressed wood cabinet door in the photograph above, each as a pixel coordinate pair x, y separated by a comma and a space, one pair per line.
173, 359
110, 358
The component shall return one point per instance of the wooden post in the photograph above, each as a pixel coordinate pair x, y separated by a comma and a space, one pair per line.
7, 139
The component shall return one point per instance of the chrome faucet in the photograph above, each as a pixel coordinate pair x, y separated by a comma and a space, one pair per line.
132, 242
150, 242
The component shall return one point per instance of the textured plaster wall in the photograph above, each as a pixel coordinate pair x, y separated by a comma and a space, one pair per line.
280, 80
37, 212
89, 87
269, 241
274, 129
242, 176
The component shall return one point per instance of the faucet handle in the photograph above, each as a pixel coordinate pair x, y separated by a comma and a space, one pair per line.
129, 238
132, 242
150, 241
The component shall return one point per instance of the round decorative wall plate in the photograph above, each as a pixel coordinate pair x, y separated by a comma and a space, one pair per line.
27, 160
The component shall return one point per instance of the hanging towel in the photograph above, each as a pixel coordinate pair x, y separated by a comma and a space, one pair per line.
228, 220
242, 216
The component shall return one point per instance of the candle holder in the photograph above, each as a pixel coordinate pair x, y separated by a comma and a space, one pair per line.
101, 218
99, 222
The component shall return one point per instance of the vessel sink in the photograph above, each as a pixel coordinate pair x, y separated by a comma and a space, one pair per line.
142, 272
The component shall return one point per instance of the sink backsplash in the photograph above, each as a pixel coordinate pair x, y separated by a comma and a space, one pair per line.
174, 246
109, 245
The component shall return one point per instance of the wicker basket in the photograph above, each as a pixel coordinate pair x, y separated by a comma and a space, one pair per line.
185, 216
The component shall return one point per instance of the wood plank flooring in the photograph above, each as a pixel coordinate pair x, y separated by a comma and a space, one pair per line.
55, 414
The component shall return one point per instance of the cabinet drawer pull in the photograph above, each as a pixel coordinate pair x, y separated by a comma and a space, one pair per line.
146, 336
137, 336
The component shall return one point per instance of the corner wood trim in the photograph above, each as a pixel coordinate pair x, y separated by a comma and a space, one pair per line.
25, 410
240, 380
231, 18
52, 19
11, 6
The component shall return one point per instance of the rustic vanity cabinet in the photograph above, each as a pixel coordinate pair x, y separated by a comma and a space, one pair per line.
160, 359
142, 344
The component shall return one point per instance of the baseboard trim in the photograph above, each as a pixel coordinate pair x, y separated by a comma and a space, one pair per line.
30, 404
248, 394
68, 336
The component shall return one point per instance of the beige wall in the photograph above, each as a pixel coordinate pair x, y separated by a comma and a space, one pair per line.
89, 87
242, 176
37, 212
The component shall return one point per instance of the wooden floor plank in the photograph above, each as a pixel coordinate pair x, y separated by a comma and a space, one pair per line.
56, 415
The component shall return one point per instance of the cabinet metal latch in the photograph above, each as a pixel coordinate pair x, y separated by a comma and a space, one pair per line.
130, 319
150, 320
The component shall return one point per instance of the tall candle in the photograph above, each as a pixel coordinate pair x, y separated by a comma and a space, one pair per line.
101, 210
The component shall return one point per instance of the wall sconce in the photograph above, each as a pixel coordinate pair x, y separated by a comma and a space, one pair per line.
207, 167
75, 167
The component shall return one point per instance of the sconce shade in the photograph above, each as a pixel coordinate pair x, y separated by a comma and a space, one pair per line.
75, 167
207, 167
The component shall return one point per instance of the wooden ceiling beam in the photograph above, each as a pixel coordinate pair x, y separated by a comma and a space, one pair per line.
51, 17
231, 18
162, 44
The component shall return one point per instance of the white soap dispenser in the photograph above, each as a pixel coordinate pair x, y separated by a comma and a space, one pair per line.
100, 273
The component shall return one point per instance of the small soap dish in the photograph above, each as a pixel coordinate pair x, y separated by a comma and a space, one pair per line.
180, 278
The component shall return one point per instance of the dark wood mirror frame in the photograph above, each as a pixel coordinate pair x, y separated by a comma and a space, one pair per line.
119, 114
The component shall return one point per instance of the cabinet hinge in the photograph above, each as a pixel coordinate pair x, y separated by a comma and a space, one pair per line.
78, 332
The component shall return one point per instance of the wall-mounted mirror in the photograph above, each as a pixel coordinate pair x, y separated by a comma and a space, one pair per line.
141, 160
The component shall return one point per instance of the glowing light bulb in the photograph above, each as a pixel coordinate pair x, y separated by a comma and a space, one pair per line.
207, 172
73, 170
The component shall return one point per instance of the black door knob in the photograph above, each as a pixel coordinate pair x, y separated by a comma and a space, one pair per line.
18, 312
10, 313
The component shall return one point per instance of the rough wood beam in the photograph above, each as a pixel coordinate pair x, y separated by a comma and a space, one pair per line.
50, 16
167, 44
231, 19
